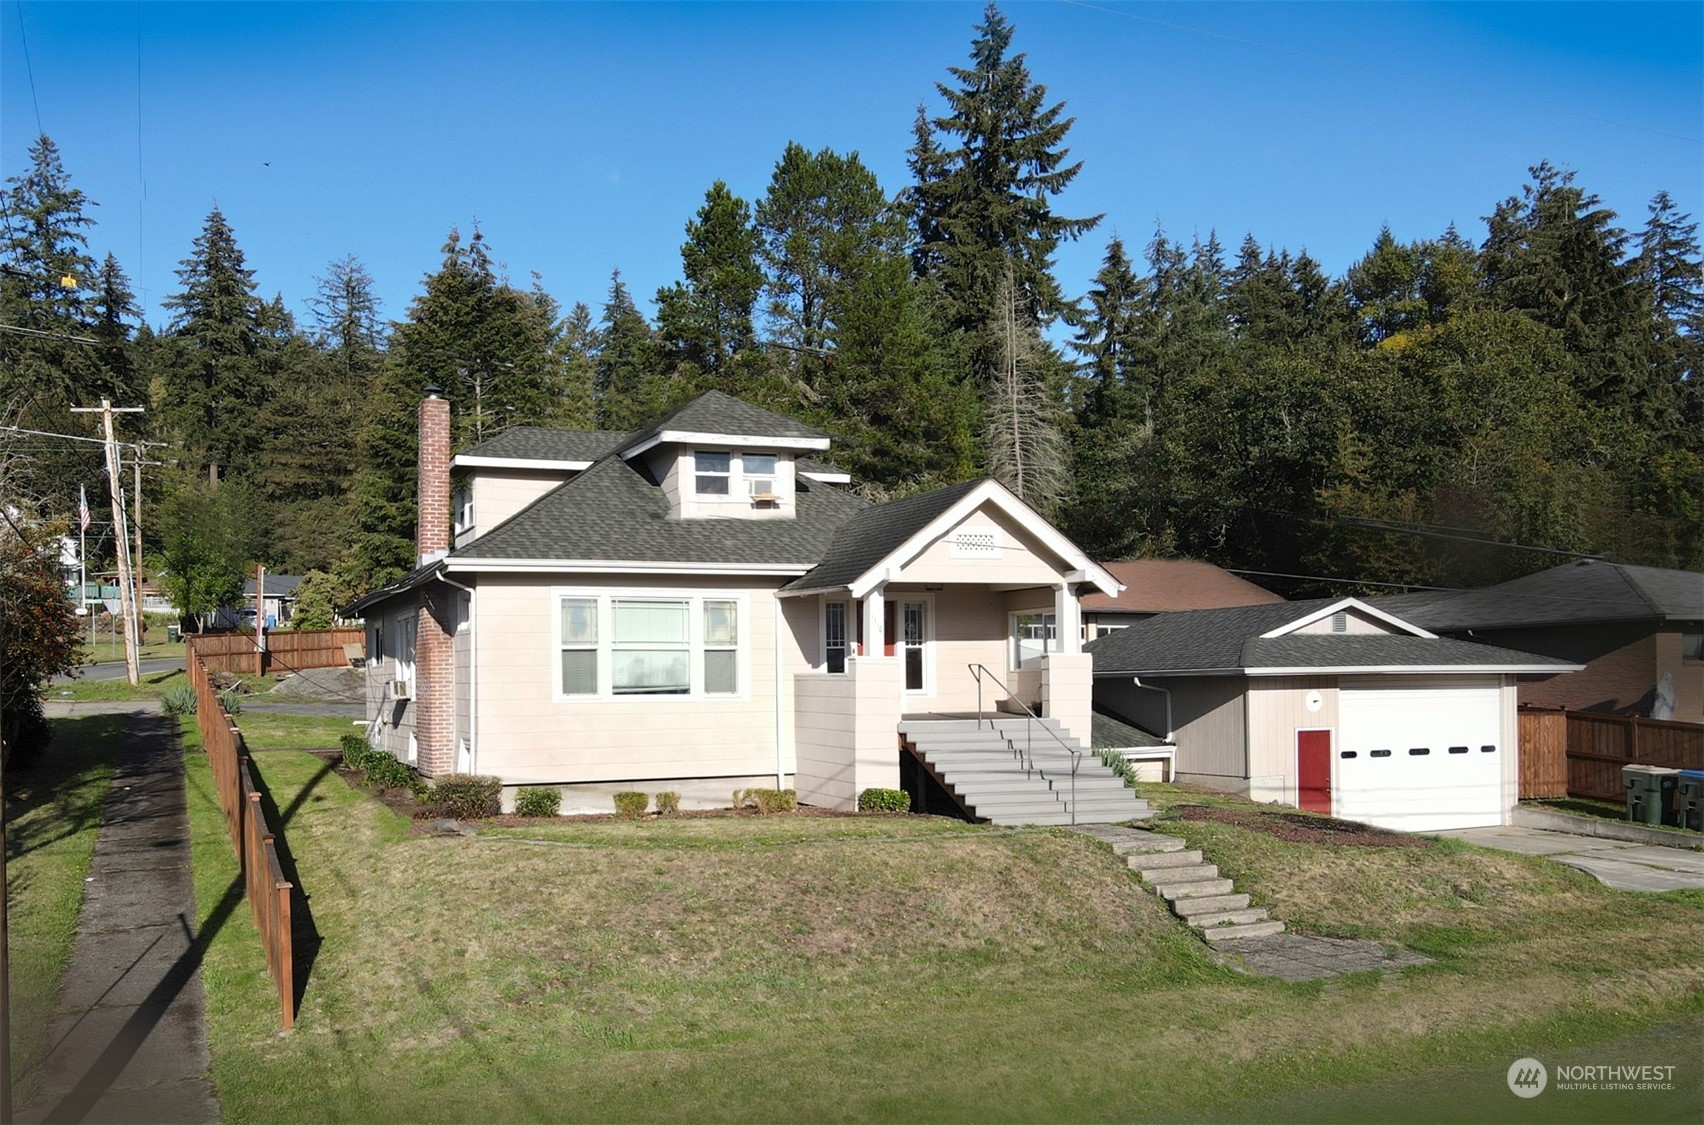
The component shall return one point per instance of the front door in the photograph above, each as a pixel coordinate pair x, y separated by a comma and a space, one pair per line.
1313, 770
911, 641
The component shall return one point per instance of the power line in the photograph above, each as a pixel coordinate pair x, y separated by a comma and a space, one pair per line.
29, 68
1341, 581
1386, 71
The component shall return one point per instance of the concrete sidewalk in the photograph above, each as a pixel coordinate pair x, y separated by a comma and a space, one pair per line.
128, 1041
1624, 866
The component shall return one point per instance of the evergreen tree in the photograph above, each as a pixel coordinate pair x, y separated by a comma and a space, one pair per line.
706, 320
47, 279
211, 383
629, 390
1024, 438
575, 354
986, 173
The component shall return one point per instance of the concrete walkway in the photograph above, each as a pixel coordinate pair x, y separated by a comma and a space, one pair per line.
128, 1041
1624, 866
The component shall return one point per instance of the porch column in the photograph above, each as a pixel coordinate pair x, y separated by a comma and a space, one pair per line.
875, 621
1068, 618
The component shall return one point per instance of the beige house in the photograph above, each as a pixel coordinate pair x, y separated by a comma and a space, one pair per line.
701, 606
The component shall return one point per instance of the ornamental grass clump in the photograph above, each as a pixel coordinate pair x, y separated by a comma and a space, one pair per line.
668, 802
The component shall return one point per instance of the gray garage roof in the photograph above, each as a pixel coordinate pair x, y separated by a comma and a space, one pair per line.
538, 443
1577, 593
1108, 733
1228, 642
611, 512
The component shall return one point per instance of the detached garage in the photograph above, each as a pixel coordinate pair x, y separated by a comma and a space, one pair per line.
1331, 706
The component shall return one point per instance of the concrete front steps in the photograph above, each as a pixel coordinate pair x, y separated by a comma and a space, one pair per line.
1193, 888
982, 766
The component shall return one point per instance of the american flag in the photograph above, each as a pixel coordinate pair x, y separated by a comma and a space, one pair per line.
83, 506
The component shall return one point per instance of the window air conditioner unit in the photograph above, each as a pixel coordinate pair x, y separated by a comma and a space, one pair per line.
402, 689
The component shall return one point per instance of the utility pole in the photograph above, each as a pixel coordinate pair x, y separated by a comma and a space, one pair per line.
125, 590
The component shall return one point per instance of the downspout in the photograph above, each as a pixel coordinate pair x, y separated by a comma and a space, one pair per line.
1137, 680
472, 672
780, 759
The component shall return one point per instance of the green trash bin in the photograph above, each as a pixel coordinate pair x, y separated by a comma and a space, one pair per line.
1689, 800
174, 634
1650, 793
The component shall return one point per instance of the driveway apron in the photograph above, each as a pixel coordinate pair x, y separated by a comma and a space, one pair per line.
128, 1041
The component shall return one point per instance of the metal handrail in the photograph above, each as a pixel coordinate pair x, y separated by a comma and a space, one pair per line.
977, 671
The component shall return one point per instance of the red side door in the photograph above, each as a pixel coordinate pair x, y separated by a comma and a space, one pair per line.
889, 623
1313, 770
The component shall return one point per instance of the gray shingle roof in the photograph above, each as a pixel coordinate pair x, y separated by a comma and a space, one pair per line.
1193, 640
1228, 640
868, 537
1574, 594
1360, 650
1108, 733
537, 443
277, 585
612, 512
716, 413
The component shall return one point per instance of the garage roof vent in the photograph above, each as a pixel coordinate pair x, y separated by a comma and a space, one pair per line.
1340, 622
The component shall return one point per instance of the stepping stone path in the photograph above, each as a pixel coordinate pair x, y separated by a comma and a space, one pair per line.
1192, 887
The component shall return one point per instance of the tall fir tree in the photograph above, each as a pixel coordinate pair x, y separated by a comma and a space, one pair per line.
630, 389
210, 383
988, 171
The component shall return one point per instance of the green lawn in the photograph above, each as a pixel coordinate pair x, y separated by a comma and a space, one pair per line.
148, 686
53, 810
816, 969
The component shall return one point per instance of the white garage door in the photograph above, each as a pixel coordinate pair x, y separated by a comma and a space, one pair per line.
1420, 757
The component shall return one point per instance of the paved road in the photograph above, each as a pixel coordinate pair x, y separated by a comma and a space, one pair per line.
109, 670
1626, 867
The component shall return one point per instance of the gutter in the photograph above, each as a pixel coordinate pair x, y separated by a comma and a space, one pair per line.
1170, 733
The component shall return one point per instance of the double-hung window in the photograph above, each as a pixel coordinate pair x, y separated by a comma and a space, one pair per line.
759, 470
711, 471
617, 645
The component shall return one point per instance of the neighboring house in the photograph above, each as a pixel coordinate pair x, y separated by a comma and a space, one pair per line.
279, 594
698, 606
1166, 586
1333, 706
1639, 631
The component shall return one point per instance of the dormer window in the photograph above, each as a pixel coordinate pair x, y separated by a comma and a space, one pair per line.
759, 470
711, 471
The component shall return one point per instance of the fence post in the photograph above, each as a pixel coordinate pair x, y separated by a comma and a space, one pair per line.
1634, 726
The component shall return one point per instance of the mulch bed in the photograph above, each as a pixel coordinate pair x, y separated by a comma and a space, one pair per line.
1302, 828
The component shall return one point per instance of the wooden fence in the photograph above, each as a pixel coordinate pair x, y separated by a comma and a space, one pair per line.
264, 884
286, 650
1596, 746
1544, 754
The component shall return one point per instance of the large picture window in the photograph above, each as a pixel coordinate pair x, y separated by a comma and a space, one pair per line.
620, 645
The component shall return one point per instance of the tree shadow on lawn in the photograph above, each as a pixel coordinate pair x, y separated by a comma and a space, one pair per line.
57, 777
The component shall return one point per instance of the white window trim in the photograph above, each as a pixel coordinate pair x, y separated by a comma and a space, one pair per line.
406, 625
606, 596
739, 481
850, 624
928, 646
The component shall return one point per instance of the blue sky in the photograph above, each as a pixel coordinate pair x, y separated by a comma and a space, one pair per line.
582, 136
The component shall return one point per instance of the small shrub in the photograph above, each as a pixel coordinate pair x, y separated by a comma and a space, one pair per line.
875, 799
355, 751
467, 796
381, 771
668, 802
178, 700
631, 804
773, 800
540, 800
232, 702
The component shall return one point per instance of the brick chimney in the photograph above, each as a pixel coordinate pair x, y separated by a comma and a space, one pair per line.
432, 524
434, 647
